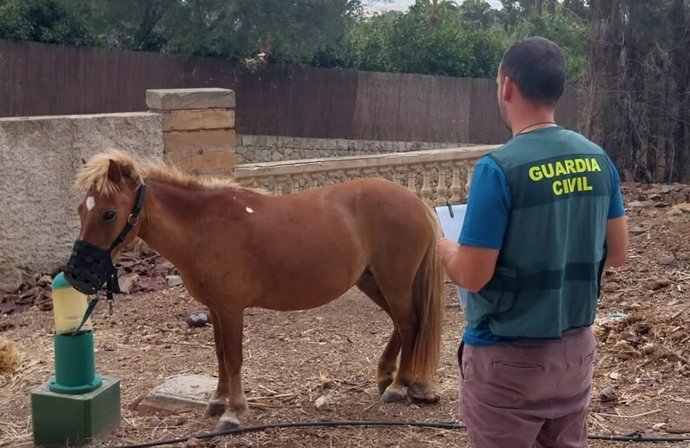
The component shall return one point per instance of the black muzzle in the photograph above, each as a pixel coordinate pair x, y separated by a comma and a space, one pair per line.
89, 268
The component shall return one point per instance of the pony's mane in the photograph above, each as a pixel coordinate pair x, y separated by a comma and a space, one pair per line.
94, 173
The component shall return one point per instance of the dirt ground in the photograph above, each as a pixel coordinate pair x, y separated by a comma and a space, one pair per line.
642, 376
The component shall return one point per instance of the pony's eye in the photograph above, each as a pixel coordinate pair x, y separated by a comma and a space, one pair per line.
108, 216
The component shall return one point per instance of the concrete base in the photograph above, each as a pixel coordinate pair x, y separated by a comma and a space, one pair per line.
60, 419
178, 393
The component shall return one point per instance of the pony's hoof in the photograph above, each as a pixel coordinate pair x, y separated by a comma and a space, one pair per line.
227, 424
392, 396
422, 393
215, 409
383, 385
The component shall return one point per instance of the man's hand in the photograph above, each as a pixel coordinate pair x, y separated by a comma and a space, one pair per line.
468, 266
446, 249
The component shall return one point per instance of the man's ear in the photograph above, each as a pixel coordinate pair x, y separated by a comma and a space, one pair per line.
507, 89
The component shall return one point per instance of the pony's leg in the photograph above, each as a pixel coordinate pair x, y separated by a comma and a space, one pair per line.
418, 388
399, 300
231, 328
217, 403
388, 360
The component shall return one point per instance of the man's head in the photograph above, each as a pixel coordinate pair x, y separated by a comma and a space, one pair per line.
531, 75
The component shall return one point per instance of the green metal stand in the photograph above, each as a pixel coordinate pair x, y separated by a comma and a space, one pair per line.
72, 419
75, 371
76, 404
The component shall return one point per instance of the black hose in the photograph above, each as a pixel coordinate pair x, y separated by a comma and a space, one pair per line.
636, 436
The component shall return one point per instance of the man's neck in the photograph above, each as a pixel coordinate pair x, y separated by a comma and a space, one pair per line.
532, 120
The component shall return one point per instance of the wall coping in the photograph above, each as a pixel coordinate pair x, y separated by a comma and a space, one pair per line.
304, 166
77, 117
178, 99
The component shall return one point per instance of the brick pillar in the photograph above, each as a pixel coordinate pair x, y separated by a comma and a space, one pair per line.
198, 128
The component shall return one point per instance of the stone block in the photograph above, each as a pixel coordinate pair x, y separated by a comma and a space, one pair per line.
60, 419
173, 99
264, 155
198, 159
190, 120
205, 139
178, 393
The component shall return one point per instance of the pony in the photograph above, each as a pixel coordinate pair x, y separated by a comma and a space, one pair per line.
237, 247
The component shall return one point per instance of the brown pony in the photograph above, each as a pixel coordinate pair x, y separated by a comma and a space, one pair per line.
236, 248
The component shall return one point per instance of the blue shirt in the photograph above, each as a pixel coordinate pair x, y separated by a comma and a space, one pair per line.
486, 220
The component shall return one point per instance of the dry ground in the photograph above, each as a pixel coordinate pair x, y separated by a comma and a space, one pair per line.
642, 378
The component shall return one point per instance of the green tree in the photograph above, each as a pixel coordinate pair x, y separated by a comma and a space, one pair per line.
419, 45
568, 32
513, 12
436, 10
429, 38
294, 32
477, 14
49, 21
370, 42
133, 24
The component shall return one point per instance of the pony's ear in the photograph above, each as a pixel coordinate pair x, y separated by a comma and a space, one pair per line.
83, 161
126, 171
114, 172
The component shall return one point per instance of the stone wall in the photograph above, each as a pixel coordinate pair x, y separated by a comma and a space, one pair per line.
269, 148
39, 157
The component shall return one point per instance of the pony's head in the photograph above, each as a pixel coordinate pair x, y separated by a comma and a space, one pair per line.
109, 215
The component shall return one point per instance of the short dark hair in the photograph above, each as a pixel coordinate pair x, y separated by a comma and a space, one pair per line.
537, 66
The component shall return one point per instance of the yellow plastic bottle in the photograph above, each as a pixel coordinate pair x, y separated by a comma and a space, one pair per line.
69, 306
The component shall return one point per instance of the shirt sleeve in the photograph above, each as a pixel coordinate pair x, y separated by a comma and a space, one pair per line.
488, 207
616, 208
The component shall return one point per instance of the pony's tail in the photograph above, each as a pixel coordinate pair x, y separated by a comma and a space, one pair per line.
427, 293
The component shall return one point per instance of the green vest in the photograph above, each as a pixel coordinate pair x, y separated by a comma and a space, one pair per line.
549, 267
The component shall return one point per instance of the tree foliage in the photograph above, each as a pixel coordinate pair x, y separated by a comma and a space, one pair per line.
49, 21
444, 37
568, 32
429, 38
627, 57
638, 96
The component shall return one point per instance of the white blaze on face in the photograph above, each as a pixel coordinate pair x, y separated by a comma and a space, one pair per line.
249, 210
90, 203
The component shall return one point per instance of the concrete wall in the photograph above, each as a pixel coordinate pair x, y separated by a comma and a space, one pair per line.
39, 157
269, 148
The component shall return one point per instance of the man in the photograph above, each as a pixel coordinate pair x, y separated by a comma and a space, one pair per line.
544, 217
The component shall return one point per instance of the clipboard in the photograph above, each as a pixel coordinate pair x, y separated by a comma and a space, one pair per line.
451, 218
